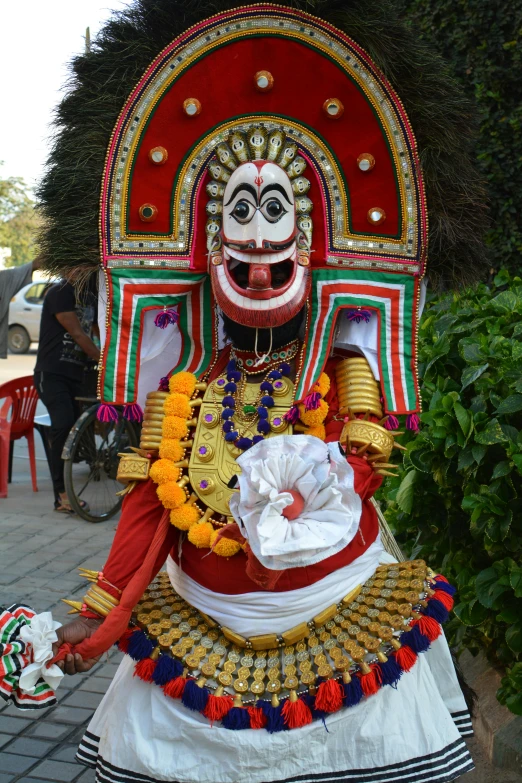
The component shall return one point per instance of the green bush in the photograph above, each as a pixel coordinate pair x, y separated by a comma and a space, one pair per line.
457, 502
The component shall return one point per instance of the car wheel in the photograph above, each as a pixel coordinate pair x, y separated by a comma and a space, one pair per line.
18, 340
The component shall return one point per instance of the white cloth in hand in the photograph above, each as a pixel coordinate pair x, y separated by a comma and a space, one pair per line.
39, 637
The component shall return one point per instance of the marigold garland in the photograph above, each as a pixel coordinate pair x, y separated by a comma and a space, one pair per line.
177, 405
185, 516
183, 383
171, 449
162, 471
323, 385
225, 547
312, 418
174, 427
171, 494
199, 535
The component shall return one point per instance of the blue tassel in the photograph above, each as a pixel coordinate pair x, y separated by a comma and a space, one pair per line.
436, 610
267, 401
285, 368
275, 375
267, 387
257, 439
231, 366
228, 426
391, 672
230, 437
244, 443
140, 646
353, 692
227, 413
236, 719
445, 587
316, 714
194, 697
166, 669
274, 720
263, 426
234, 376
415, 640
231, 388
228, 402
262, 412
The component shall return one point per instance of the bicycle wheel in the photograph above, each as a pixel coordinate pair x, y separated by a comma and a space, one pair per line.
91, 461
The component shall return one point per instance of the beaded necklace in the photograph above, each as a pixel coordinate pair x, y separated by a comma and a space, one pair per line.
235, 384
252, 365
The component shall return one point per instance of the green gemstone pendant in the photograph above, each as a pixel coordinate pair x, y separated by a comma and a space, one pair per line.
249, 409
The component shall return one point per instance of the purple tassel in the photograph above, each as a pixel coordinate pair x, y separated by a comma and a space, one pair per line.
231, 366
391, 672
262, 413
357, 314
415, 640
267, 387
228, 426
413, 422
164, 383
133, 412
166, 669
194, 697
230, 437
244, 443
228, 402
165, 318
274, 720
391, 423
285, 368
267, 401
257, 439
353, 692
445, 587
263, 426
107, 413
231, 388
436, 610
227, 413
140, 646
292, 415
312, 401
234, 376
275, 375
236, 719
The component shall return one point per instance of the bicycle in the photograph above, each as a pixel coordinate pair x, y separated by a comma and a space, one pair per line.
90, 459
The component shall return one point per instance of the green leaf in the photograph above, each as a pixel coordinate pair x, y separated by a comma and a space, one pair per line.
471, 613
421, 459
478, 453
488, 587
517, 330
405, 492
517, 459
506, 302
464, 418
470, 374
514, 637
515, 580
491, 434
514, 703
511, 404
501, 469
466, 459
516, 352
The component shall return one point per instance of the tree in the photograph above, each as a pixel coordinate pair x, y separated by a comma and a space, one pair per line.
19, 220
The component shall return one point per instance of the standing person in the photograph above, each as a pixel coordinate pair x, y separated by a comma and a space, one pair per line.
11, 281
64, 350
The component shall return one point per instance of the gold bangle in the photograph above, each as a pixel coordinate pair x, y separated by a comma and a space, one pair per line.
103, 595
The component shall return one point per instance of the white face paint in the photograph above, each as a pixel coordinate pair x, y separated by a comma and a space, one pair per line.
260, 282
258, 207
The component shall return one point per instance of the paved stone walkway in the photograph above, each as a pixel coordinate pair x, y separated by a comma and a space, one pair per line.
40, 552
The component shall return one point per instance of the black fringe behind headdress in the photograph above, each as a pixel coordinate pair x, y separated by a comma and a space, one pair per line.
102, 79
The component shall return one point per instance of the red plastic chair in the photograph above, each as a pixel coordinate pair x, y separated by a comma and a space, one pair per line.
20, 398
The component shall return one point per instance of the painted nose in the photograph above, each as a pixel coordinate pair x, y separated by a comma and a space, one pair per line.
259, 276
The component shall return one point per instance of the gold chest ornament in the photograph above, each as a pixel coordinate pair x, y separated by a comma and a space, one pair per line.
212, 461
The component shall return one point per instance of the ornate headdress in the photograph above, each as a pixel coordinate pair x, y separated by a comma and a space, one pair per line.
215, 118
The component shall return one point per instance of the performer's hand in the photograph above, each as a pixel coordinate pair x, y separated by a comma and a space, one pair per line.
74, 633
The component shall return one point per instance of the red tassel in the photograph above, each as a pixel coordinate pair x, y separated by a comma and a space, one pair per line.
217, 707
175, 688
428, 627
440, 578
445, 599
329, 696
406, 658
257, 718
297, 713
145, 669
371, 682
123, 641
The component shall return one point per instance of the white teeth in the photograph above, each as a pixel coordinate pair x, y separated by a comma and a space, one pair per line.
260, 304
260, 258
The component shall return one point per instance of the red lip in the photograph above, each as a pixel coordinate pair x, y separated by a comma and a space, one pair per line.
262, 293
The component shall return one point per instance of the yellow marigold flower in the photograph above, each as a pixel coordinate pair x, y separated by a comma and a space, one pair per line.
163, 470
318, 431
177, 405
184, 517
199, 535
225, 547
171, 495
171, 449
313, 418
323, 385
174, 427
183, 383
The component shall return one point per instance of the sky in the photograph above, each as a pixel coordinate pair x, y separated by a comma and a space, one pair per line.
38, 38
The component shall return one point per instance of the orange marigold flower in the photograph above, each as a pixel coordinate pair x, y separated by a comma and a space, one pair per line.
174, 427
177, 405
183, 383
225, 547
162, 471
199, 535
171, 495
171, 449
184, 517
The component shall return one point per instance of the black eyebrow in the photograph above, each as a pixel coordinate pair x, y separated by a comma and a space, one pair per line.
242, 186
279, 188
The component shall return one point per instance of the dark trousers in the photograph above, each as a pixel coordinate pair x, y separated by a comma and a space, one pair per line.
58, 393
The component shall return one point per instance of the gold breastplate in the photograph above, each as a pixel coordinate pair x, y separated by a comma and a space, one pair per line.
213, 460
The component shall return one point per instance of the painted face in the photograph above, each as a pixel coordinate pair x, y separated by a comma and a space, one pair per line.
260, 282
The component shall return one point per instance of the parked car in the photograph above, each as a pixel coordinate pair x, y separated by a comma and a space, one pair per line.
25, 311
